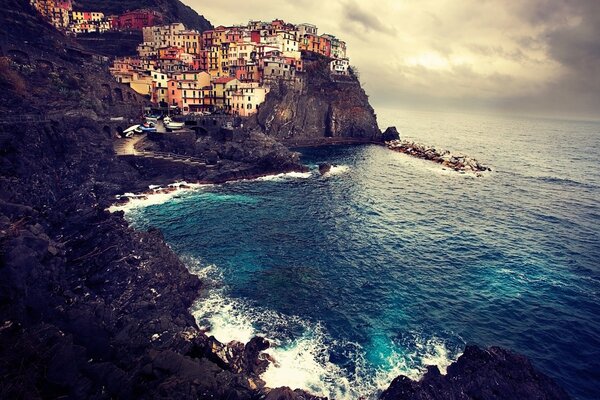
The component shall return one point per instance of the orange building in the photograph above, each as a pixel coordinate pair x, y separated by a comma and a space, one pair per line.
324, 46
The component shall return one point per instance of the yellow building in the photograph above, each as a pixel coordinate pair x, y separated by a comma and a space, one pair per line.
190, 41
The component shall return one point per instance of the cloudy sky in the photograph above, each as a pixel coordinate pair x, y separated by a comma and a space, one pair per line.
537, 57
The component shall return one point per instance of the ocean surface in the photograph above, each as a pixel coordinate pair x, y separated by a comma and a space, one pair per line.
391, 263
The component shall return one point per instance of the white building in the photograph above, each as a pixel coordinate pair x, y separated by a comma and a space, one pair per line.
340, 67
248, 97
307, 29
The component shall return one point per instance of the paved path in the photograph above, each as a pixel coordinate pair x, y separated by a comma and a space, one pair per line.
126, 147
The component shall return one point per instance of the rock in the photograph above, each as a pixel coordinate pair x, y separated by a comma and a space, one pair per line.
285, 393
324, 168
494, 373
320, 110
390, 134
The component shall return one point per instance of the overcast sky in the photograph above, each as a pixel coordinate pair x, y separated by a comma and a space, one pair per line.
526, 56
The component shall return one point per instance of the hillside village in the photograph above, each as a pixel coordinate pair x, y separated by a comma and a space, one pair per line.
224, 70
61, 15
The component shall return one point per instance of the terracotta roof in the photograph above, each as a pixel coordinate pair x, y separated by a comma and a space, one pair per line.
224, 79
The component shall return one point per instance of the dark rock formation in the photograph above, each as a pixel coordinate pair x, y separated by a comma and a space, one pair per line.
90, 308
285, 393
319, 109
390, 134
324, 168
113, 44
493, 374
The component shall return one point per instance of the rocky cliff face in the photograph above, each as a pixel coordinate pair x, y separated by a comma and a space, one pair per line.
90, 308
320, 109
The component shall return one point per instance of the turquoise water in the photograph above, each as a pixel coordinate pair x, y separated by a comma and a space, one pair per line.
392, 263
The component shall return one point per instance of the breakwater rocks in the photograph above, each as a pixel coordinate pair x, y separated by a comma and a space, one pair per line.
494, 373
458, 163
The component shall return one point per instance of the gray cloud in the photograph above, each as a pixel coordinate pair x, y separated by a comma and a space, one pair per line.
354, 14
534, 56
573, 40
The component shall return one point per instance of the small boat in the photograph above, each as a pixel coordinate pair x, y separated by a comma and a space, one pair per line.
148, 127
131, 130
170, 124
152, 117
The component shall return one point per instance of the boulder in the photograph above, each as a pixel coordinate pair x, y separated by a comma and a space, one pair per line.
324, 168
493, 373
390, 134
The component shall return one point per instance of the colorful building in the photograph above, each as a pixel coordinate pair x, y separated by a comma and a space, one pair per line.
247, 98
227, 68
137, 20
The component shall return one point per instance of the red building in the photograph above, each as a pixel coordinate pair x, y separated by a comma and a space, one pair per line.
255, 36
136, 20
201, 61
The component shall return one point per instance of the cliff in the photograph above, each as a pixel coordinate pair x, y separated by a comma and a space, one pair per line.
90, 308
321, 108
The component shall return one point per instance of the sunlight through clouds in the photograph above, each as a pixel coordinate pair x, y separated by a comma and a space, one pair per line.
533, 55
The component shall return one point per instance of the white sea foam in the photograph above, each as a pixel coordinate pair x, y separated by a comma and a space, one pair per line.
304, 362
285, 176
224, 318
157, 195
338, 170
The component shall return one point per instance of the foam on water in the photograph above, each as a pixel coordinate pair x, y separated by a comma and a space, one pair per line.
303, 362
157, 195
338, 170
285, 176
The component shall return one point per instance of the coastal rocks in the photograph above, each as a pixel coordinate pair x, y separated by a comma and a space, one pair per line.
491, 374
390, 134
285, 393
450, 161
324, 168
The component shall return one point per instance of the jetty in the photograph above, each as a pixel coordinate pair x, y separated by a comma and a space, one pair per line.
459, 163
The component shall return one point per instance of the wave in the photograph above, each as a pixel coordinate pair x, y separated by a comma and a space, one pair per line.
303, 360
284, 176
155, 196
338, 170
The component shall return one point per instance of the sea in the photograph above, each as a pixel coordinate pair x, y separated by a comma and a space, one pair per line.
389, 263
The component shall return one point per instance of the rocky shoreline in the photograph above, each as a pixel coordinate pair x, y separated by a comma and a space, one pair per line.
89, 307
458, 163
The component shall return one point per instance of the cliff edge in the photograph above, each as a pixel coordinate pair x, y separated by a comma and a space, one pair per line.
319, 108
90, 308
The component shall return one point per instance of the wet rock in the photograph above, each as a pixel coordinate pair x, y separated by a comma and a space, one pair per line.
492, 374
390, 134
285, 393
457, 163
324, 168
